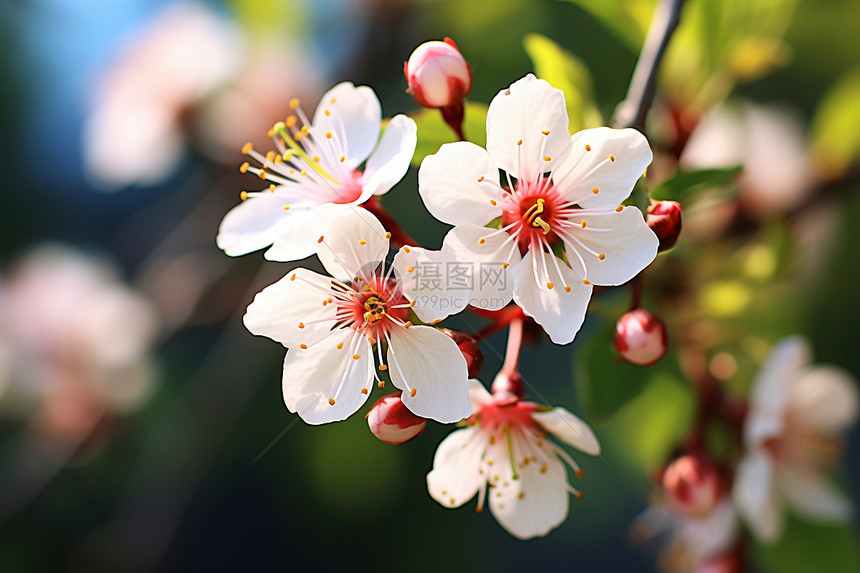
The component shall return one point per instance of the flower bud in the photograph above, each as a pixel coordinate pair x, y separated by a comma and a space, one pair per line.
692, 486
731, 562
392, 422
640, 337
664, 218
469, 347
508, 386
437, 74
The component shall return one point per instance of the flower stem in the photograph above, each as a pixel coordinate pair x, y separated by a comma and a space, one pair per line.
515, 343
640, 94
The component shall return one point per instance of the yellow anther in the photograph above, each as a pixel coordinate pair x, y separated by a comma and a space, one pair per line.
331, 401
387, 234
356, 356
549, 286
303, 172
305, 130
412, 305
279, 159
381, 384
294, 103
364, 390
567, 289
407, 249
320, 240
545, 132
301, 325
262, 175
408, 324
362, 242
316, 158
493, 202
543, 469
583, 223
342, 158
272, 187
328, 135
247, 147
244, 167
522, 494
587, 147
292, 120
585, 282
412, 392
505, 265
303, 346
595, 190
611, 157
579, 473
286, 207
482, 240
410, 269
327, 113
538, 222
520, 142
244, 195
270, 133
339, 345
292, 278
619, 208
270, 156
601, 256
547, 158
383, 367
481, 178
333, 100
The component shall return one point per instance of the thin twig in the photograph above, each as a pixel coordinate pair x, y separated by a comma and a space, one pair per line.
640, 94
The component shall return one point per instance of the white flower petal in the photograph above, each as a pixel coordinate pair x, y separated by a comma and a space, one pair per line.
560, 313
569, 428
456, 477
478, 395
770, 391
523, 112
492, 285
354, 242
390, 160
536, 502
295, 237
582, 171
278, 309
823, 398
628, 248
756, 498
813, 498
424, 359
430, 280
322, 372
252, 225
354, 112
448, 184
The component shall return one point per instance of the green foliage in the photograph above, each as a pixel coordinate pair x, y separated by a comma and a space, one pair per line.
810, 547
685, 184
639, 197
628, 20
568, 73
835, 133
433, 132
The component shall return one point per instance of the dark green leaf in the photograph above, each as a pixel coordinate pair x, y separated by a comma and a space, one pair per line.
811, 547
686, 183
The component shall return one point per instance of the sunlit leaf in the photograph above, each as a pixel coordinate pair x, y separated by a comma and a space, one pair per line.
433, 131
628, 20
811, 547
568, 73
684, 184
835, 136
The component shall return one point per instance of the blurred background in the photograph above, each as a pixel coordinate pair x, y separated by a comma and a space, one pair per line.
143, 427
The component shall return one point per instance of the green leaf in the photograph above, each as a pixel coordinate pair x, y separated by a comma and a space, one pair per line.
604, 381
433, 132
628, 20
835, 136
568, 73
812, 547
687, 183
639, 197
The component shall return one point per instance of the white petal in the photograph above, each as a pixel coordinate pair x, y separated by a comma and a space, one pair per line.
824, 398
456, 477
478, 395
770, 391
523, 112
295, 236
569, 429
813, 498
434, 281
424, 359
628, 248
582, 171
536, 502
324, 371
756, 498
711, 534
353, 243
278, 309
448, 184
492, 284
560, 313
251, 225
391, 158
354, 112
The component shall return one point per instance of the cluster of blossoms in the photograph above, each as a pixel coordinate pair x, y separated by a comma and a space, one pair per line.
538, 219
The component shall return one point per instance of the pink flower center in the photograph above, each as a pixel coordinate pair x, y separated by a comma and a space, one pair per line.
374, 307
533, 212
501, 414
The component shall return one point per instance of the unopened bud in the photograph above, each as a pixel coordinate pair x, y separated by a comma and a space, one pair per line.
469, 347
508, 386
731, 562
692, 486
437, 74
664, 218
392, 422
640, 337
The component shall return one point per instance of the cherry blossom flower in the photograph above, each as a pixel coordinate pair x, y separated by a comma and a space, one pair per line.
792, 435
337, 330
504, 454
317, 165
561, 191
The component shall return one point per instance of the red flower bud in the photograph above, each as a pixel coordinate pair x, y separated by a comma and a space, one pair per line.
640, 337
731, 562
469, 347
508, 386
392, 422
664, 218
692, 486
437, 74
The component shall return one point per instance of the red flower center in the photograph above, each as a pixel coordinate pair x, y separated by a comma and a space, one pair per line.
533, 210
